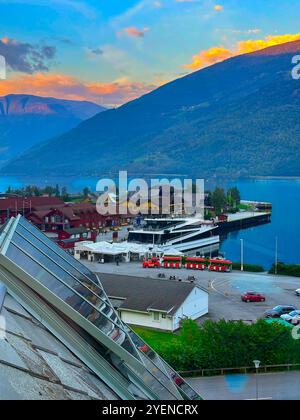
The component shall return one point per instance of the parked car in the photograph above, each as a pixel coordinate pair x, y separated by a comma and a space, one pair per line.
292, 317
253, 297
279, 310
297, 292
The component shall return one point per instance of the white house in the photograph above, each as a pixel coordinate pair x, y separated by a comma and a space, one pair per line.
155, 303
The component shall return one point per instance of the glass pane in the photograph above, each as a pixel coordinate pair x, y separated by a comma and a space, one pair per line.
59, 289
56, 249
85, 289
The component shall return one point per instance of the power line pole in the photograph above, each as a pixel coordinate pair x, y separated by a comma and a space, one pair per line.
242, 254
276, 255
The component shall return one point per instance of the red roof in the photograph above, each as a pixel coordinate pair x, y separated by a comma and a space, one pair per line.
218, 261
27, 203
196, 259
83, 208
41, 213
69, 213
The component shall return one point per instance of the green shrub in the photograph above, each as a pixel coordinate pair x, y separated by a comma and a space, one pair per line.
222, 344
253, 268
286, 269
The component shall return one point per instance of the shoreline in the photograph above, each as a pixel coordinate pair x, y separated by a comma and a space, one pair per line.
273, 178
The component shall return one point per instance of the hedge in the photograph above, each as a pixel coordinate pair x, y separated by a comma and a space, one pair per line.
286, 269
253, 268
222, 344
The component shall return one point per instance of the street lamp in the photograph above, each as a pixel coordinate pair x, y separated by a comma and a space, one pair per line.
276, 255
242, 254
257, 365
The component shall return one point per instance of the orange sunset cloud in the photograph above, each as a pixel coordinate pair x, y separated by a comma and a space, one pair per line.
216, 54
218, 8
68, 87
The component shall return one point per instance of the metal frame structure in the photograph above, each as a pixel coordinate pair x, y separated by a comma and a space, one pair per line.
70, 301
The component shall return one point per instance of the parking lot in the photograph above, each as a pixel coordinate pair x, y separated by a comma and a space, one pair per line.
225, 289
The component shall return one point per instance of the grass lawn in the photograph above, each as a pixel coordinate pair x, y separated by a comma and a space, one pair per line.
245, 207
155, 339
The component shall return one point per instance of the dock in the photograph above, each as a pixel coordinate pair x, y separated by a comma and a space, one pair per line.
242, 220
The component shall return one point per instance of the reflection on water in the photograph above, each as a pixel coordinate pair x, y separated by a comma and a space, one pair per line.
260, 241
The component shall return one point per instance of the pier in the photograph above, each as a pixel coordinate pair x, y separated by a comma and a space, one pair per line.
242, 220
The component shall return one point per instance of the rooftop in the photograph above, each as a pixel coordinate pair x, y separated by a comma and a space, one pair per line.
35, 365
30, 202
144, 294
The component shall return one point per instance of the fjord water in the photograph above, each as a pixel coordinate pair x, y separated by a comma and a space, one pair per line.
259, 241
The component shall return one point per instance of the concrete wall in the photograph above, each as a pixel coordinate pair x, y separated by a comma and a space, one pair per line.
195, 306
147, 320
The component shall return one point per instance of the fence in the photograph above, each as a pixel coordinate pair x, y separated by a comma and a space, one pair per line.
244, 370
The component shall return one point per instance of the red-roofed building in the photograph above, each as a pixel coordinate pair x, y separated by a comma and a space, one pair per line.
52, 215
70, 216
11, 207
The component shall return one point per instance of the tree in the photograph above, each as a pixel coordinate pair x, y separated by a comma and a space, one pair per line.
219, 200
57, 191
50, 191
86, 192
64, 194
228, 344
233, 197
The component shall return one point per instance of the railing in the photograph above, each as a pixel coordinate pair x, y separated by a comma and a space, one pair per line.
244, 370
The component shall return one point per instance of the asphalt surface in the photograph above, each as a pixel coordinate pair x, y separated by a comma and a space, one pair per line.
225, 289
272, 386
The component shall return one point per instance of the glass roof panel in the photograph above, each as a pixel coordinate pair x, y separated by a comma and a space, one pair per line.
57, 250
86, 288
69, 296
59, 262
79, 288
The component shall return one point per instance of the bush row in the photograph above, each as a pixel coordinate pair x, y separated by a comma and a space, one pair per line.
253, 268
222, 344
286, 269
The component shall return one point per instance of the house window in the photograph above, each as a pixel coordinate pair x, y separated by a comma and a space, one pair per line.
163, 316
155, 316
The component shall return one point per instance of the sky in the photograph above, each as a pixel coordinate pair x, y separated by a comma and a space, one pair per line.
112, 51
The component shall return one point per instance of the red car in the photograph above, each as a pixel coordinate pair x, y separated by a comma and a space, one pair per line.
151, 263
144, 348
253, 297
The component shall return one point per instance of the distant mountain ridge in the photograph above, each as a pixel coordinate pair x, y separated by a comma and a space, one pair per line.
236, 118
27, 119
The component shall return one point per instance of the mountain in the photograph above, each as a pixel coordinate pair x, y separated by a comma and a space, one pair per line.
26, 120
235, 118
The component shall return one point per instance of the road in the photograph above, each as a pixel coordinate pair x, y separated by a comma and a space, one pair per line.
272, 386
225, 289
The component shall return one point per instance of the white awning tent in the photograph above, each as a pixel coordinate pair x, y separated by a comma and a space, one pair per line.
124, 249
173, 252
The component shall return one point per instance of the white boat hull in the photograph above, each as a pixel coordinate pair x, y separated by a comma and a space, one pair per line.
193, 245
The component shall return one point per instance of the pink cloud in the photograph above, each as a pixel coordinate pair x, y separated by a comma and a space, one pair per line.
135, 32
